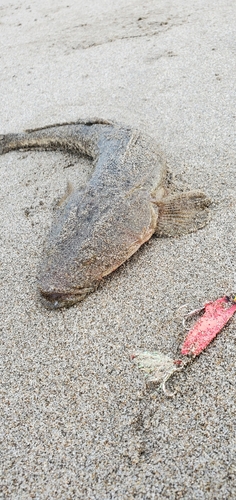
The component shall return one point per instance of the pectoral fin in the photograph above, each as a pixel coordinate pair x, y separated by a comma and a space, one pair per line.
182, 213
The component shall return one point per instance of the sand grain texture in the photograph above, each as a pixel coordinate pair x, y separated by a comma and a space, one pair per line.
77, 422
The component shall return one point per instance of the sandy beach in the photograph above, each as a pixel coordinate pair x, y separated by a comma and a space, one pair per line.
78, 422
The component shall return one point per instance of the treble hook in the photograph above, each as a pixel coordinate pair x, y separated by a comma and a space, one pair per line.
167, 393
190, 314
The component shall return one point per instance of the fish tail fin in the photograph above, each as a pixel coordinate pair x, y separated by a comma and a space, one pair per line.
8, 142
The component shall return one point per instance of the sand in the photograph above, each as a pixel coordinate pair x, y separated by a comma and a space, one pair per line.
78, 422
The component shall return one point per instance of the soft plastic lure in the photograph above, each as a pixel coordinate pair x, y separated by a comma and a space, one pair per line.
216, 315
159, 367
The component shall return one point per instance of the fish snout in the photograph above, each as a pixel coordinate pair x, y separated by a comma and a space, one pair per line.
56, 300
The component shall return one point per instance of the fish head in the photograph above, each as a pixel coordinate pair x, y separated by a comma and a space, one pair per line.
85, 247
60, 290
57, 300
66, 279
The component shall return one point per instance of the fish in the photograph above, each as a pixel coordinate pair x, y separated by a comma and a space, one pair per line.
126, 200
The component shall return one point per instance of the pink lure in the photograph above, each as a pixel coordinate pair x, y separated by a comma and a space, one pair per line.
215, 317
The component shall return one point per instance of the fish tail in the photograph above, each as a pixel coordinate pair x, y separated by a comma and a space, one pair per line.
76, 137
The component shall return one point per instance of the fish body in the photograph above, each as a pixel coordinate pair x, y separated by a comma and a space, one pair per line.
100, 227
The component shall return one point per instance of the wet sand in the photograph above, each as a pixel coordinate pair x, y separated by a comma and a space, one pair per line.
78, 422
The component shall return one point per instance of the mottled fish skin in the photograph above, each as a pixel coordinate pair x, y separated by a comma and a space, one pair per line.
123, 204
101, 227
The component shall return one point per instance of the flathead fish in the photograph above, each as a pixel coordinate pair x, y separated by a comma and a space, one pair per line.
124, 203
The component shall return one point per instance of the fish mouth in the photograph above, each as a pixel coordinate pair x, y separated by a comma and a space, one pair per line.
56, 300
